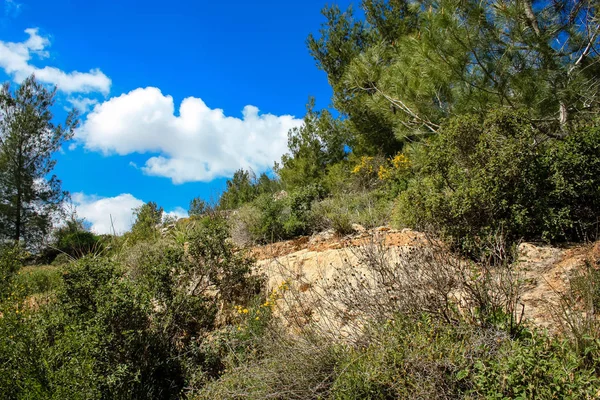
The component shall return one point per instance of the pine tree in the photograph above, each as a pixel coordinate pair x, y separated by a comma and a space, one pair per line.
147, 218
409, 65
29, 197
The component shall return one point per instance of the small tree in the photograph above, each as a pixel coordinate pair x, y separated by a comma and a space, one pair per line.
147, 217
197, 207
28, 139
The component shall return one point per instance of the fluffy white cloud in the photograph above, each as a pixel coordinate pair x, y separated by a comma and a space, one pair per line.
197, 144
15, 60
100, 211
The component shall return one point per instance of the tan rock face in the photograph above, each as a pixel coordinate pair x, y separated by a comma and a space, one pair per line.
312, 264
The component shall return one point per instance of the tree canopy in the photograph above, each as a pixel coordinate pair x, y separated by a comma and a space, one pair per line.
409, 65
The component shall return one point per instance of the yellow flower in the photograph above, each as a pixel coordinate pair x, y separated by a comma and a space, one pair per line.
401, 162
245, 311
257, 318
383, 173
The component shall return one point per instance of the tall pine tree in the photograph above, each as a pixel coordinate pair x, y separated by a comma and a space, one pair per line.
29, 195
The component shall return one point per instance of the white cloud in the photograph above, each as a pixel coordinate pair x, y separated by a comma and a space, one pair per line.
83, 104
104, 213
15, 60
198, 144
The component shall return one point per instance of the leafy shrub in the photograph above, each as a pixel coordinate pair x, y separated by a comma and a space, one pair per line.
298, 221
11, 260
270, 218
479, 178
573, 209
38, 279
409, 358
78, 244
369, 209
538, 367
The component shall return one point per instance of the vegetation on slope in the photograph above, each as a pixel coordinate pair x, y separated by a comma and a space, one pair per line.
477, 121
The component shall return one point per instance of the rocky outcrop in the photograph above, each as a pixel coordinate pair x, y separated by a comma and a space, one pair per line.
311, 263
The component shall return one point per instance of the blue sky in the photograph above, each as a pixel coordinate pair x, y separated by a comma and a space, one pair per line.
175, 95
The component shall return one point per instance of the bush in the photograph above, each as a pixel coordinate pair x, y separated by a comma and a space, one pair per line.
573, 210
38, 280
502, 175
77, 244
411, 359
271, 218
369, 209
11, 260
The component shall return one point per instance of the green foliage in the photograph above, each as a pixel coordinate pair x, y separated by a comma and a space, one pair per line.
244, 188
148, 218
29, 195
573, 202
368, 209
318, 143
539, 367
128, 328
421, 359
38, 280
407, 66
271, 217
197, 207
74, 240
11, 260
479, 178
239, 190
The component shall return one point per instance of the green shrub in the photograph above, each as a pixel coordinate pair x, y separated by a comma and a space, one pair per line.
481, 177
38, 280
270, 218
11, 260
78, 244
369, 209
298, 220
573, 209
536, 368
420, 358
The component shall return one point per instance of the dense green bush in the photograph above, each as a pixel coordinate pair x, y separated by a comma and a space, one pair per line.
77, 244
422, 359
482, 177
11, 260
38, 279
271, 218
136, 326
573, 209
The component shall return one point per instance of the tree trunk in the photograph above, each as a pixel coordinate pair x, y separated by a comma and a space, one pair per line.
19, 184
18, 217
